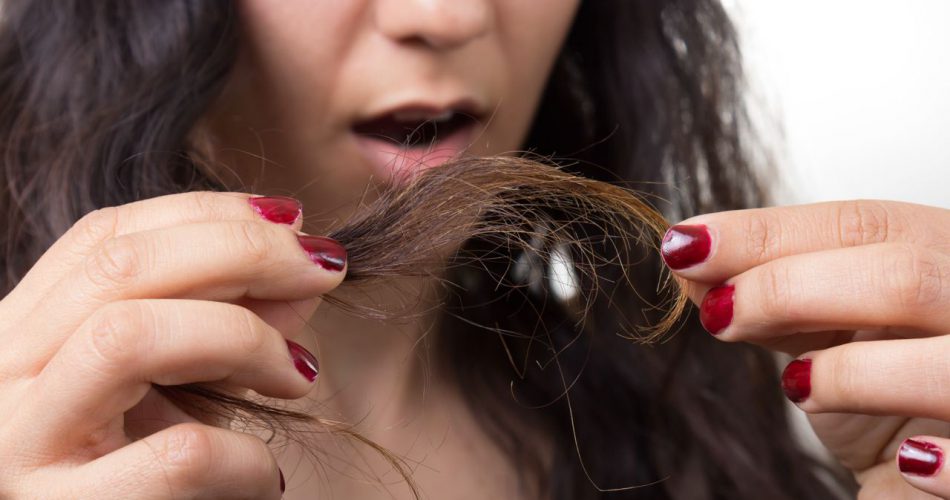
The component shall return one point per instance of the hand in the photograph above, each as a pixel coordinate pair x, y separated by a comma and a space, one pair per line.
859, 292
180, 289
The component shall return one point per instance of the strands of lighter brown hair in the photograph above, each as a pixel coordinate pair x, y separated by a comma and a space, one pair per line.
518, 206
417, 228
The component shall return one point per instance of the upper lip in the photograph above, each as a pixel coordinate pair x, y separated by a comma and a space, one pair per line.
427, 110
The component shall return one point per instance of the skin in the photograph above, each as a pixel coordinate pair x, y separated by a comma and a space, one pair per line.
860, 289
309, 70
105, 323
199, 287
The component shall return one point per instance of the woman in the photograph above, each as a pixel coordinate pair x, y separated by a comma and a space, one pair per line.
115, 104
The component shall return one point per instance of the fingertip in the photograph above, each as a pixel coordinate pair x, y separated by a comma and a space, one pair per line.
919, 456
324, 252
278, 209
796, 380
303, 360
685, 246
716, 309
920, 461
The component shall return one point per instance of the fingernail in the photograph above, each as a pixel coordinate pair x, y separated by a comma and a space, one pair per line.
796, 380
715, 313
277, 209
283, 486
324, 252
685, 245
919, 458
304, 361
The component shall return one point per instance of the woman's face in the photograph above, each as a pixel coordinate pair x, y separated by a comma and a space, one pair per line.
328, 96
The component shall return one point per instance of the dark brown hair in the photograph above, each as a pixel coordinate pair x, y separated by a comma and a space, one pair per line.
99, 99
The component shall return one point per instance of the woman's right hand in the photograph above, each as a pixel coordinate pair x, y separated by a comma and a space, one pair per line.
196, 287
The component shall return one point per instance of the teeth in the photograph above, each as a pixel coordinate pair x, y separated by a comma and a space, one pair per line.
411, 116
444, 117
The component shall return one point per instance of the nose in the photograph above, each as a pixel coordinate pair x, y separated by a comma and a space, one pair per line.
441, 24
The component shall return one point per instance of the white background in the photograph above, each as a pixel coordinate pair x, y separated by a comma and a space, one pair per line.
861, 90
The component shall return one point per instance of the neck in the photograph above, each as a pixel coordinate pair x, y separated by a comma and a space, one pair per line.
381, 377
378, 372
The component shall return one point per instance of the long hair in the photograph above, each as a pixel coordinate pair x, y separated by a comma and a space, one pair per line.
98, 100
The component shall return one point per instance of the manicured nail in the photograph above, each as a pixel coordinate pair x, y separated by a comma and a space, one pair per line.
324, 252
277, 209
796, 380
283, 486
919, 458
685, 245
304, 361
715, 313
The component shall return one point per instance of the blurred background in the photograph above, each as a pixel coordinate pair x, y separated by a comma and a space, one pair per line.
854, 96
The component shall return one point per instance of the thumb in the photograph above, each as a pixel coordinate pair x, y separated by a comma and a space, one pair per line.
920, 460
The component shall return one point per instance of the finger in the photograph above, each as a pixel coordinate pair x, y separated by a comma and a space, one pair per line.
906, 377
184, 462
288, 317
920, 460
165, 211
872, 287
215, 261
713, 247
884, 482
112, 361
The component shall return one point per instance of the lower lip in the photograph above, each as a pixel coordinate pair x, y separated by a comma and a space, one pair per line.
393, 162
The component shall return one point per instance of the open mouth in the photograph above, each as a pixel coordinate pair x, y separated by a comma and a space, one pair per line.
415, 137
417, 127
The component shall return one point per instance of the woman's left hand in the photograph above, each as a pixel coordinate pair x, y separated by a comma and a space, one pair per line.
859, 293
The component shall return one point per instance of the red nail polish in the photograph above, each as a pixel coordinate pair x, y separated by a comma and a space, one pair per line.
715, 313
324, 252
277, 209
919, 458
796, 380
685, 245
304, 361
283, 486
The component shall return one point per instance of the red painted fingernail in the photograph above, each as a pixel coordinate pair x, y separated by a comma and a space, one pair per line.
685, 245
324, 252
919, 458
715, 313
277, 209
304, 361
283, 486
796, 380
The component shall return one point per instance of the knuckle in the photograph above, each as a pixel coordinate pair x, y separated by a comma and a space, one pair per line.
115, 334
763, 239
117, 262
247, 333
252, 241
206, 204
863, 223
95, 227
847, 372
261, 463
187, 454
189, 457
936, 365
916, 279
776, 297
